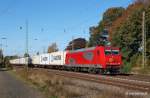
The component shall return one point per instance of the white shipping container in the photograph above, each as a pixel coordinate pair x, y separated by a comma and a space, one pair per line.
36, 60
15, 61
12, 61
45, 59
57, 58
22, 61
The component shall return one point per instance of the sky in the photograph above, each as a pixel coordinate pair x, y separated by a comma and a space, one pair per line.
49, 21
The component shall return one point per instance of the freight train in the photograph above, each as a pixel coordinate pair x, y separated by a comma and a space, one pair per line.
100, 59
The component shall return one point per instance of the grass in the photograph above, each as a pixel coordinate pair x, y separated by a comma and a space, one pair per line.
22, 75
54, 86
126, 68
139, 70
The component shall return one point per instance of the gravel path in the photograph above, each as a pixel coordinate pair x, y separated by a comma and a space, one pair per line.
10, 87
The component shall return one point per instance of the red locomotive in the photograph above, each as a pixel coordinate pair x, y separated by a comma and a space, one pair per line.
97, 59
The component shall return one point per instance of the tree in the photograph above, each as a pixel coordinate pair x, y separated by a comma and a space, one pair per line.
4, 61
96, 32
111, 15
26, 55
1, 57
128, 35
96, 40
76, 44
145, 2
147, 17
13, 57
125, 30
52, 48
7, 63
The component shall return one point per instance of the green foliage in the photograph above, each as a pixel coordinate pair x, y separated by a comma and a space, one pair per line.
13, 57
128, 36
108, 17
26, 55
6, 63
1, 58
126, 68
95, 40
111, 15
148, 33
125, 26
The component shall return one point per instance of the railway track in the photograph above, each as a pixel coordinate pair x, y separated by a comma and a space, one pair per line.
127, 83
134, 77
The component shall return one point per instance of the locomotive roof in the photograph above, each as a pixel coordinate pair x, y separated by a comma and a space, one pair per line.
115, 48
84, 49
91, 48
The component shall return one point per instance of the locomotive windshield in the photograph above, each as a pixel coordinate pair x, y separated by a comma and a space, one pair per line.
114, 52
107, 52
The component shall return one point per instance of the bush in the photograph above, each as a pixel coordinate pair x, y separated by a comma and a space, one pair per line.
126, 68
7, 64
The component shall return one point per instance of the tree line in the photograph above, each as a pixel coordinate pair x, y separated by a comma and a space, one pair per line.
125, 31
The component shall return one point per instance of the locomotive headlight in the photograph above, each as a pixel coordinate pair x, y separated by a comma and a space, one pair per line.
111, 60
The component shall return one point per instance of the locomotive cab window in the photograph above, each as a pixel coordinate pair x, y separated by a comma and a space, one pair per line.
107, 52
115, 52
